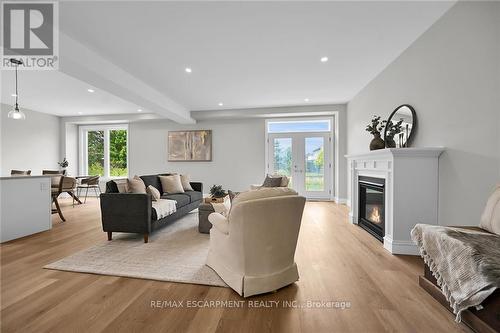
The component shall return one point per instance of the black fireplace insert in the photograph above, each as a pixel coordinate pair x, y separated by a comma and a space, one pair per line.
372, 205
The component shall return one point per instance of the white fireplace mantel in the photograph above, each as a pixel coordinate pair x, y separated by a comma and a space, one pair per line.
411, 190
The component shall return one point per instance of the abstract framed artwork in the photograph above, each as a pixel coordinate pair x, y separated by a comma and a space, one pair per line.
190, 146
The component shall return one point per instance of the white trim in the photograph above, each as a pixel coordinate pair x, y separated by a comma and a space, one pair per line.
400, 247
333, 116
340, 201
82, 146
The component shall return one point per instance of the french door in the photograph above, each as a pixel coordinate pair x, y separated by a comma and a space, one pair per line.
306, 159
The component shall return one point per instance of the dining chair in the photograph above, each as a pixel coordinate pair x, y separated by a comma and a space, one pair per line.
61, 184
91, 182
69, 186
20, 172
54, 172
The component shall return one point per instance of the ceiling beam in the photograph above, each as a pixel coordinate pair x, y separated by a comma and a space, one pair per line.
84, 64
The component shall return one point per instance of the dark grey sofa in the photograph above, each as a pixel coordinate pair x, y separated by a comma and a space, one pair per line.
133, 212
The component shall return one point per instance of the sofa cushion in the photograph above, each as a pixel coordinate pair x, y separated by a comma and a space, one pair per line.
490, 220
181, 198
111, 187
152, 180
171, 184
155, 194
136, 185
272, 182
194, 195
185, 180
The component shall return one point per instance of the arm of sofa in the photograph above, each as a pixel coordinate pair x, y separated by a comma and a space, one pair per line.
197, 186
126, 212
219, 222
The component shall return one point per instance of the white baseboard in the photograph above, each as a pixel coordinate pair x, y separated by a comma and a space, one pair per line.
340, 201
400, 247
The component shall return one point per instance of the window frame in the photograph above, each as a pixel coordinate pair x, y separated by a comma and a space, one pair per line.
83, 149
328, 120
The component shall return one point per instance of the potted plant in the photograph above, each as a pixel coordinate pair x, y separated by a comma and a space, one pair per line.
375, 128
217, 193
393, 129
63, 165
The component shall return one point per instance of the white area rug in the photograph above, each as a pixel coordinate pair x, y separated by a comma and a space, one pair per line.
175, 253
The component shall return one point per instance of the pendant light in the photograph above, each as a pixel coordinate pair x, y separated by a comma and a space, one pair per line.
16, 114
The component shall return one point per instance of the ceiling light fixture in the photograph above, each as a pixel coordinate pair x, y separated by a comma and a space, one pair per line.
324, 59
221, 104
188, 70
90, 90
139, 110
306, 99
80, 112
16, 114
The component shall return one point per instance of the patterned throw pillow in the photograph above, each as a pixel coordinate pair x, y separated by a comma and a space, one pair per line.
155, 194
272, 182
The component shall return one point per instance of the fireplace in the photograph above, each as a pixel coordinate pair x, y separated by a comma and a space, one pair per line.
372, 206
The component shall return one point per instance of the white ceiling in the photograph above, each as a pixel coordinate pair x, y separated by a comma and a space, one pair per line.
244, 54
56, 93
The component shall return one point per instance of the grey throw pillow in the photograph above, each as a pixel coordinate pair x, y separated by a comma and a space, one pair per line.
272, 182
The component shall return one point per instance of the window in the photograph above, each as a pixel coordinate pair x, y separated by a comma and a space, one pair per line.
294, 126
104, 150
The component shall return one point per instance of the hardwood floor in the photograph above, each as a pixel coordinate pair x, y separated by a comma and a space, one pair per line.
337, 262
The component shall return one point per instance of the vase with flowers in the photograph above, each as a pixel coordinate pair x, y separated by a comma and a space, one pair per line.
375, 128
392, 130
63, 165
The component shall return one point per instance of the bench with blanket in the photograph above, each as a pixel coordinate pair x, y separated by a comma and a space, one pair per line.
464, 262
136, 213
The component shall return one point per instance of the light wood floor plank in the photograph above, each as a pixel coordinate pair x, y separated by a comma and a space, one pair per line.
337, 262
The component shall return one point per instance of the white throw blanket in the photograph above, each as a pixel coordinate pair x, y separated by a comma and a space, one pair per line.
222, 207
465, 262
164, 207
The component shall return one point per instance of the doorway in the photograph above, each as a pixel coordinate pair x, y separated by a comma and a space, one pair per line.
302, 151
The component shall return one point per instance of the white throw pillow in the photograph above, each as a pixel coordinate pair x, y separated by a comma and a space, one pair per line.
185, 179
171, 184
155, 194
490, 220
136, 185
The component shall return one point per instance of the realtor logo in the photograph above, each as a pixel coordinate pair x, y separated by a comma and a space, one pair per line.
30, 34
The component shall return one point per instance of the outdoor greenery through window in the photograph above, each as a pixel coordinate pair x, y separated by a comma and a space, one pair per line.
105, 151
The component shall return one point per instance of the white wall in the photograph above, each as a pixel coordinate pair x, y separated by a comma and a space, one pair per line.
238, 152
451, 75
30, 144
238, 143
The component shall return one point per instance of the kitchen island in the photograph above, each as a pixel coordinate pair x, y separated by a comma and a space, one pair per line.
25, 206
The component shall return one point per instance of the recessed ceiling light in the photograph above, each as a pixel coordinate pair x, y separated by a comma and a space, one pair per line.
188, 70
221, 104
306, 99
90, 90
13, 95
79, 112
139, 110
324, 59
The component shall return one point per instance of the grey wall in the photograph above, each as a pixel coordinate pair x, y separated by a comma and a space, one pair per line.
238, 152
451, 75
31, 144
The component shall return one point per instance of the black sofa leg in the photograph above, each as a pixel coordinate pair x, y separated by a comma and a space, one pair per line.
110, 235
146, 238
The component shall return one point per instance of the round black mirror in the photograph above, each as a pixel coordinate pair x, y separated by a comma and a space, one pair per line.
400, 127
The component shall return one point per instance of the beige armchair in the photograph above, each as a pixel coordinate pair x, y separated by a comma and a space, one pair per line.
253, 249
